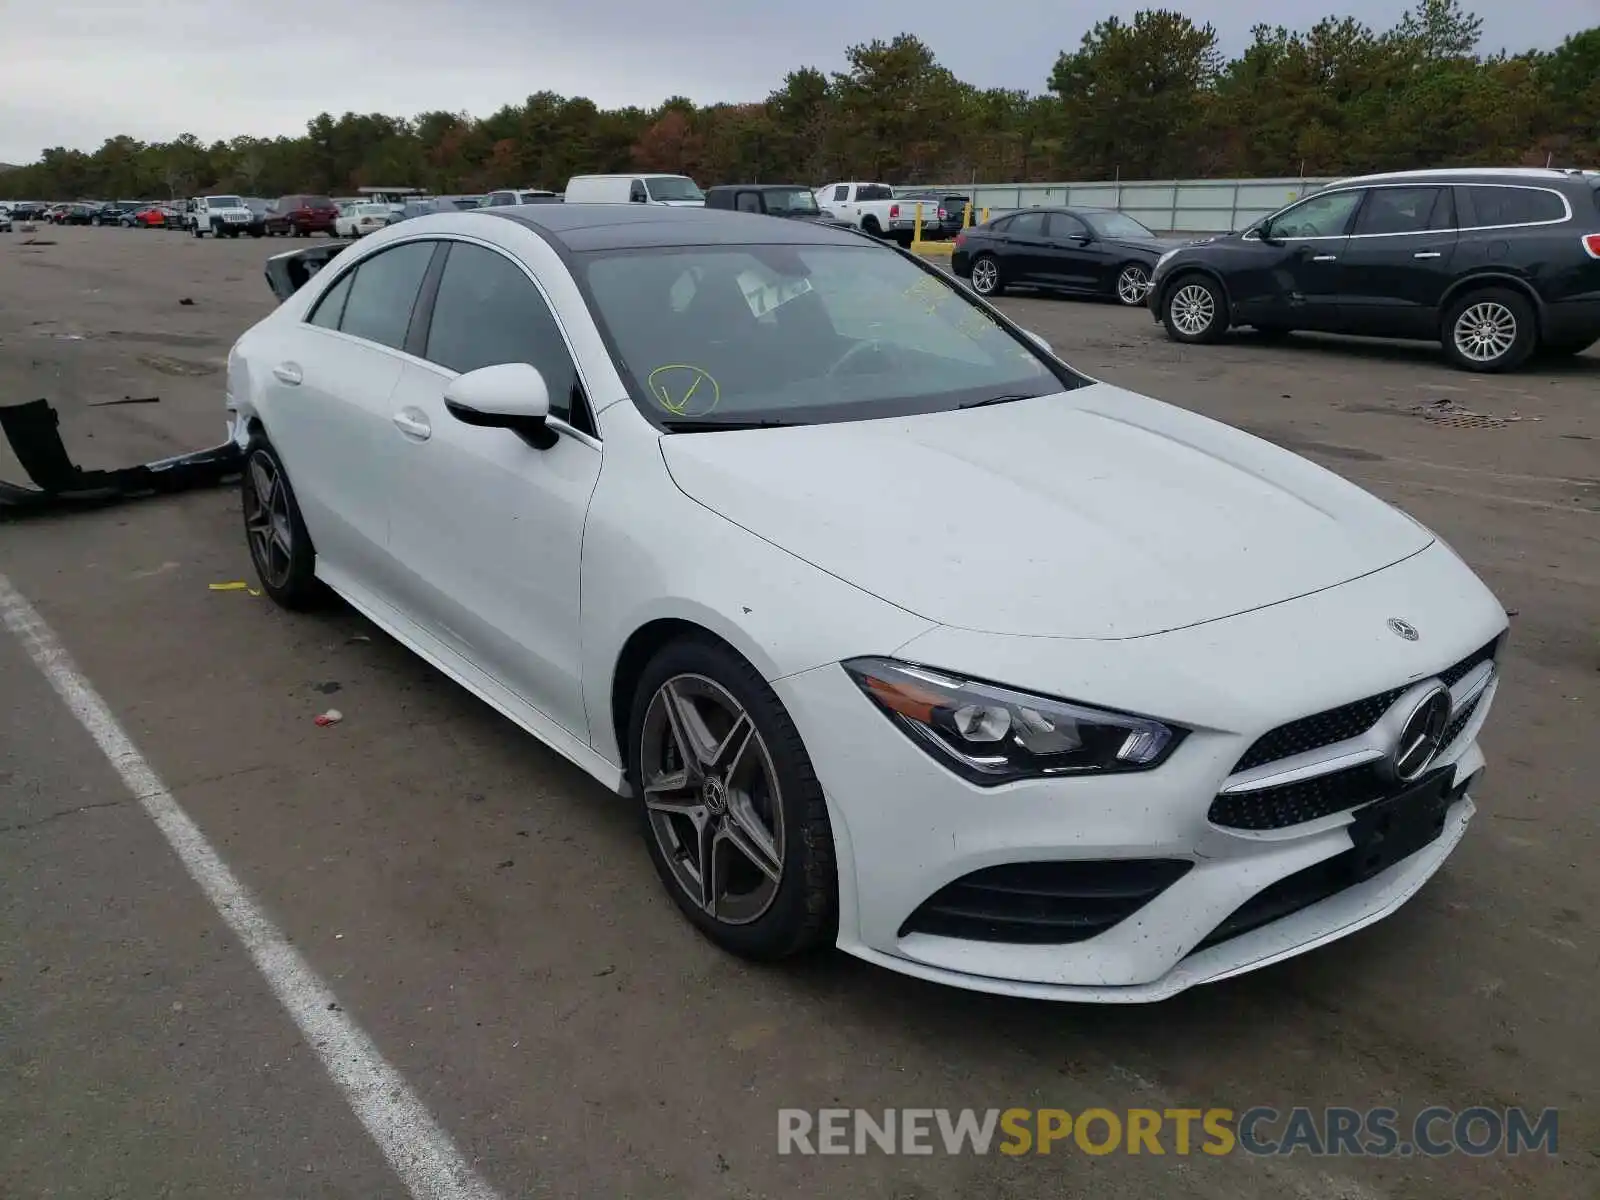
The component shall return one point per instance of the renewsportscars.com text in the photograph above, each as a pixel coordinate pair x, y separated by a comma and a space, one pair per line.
1374, 1132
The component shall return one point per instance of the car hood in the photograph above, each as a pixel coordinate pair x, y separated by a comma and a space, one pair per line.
1149, 245
1095, 513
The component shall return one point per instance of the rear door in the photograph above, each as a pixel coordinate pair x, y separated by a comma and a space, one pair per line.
1025, 250
1397, 261
327, 408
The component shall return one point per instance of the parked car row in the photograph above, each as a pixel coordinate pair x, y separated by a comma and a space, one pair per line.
1496, 264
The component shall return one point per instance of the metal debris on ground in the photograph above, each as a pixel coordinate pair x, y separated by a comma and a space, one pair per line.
33, 429
125, 400
237, 585
1458, 416
186, 300
332, 717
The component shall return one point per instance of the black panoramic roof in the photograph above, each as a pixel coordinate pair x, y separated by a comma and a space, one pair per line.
583, 227
1516, 176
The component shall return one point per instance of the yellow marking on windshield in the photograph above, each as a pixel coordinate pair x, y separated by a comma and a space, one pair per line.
664, 385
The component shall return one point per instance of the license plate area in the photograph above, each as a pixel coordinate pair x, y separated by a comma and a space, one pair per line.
1395, 828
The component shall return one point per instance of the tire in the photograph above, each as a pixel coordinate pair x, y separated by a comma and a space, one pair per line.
1194, 310
772, 919
1132, 285
287, 575
870, 226
198, 232
986, 278
1489, 330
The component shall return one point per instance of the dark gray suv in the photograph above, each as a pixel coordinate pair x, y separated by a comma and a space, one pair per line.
1496, 264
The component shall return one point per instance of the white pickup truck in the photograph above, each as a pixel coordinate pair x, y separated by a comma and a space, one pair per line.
872, 208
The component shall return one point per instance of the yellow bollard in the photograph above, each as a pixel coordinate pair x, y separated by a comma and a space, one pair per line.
916, 232
966, 214
986, 214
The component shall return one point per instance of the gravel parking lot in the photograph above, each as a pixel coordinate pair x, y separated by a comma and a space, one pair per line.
489, 916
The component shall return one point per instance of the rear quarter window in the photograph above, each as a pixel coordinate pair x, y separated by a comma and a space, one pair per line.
1513, 205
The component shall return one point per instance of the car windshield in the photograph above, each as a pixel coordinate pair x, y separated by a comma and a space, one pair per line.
372, 210
1115, 225
801, 334
674, 187
224, 202
316, 202
793, 200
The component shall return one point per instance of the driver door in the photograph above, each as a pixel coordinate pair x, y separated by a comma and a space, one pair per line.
1296, 284
486, 530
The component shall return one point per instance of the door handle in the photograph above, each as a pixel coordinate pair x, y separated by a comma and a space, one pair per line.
1426, 254
1324, 257
289, 373
413, 423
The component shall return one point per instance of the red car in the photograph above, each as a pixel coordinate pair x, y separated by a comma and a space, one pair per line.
154, 217
301, 216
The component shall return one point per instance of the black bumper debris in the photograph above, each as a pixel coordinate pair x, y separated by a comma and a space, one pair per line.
33, 429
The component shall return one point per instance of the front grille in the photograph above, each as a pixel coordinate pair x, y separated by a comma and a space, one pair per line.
1303, 800
1460, 721
1347, 721
1044, 903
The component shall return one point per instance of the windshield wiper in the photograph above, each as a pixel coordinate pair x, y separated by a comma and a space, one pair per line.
1005, 398
694, 426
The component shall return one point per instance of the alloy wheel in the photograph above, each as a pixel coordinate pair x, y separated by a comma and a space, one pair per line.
1485, 331
1193, 309
985, 274
266, 520
1133, 285
712, 797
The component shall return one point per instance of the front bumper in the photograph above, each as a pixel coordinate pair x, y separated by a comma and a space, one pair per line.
905, 828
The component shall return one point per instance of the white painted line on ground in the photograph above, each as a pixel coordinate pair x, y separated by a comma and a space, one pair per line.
420, 1152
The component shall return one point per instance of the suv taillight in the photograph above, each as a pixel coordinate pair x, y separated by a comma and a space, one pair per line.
894, 212
1591, 243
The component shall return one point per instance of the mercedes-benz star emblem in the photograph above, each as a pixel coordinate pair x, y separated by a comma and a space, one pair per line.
1422, 735
714, 796
1403, 629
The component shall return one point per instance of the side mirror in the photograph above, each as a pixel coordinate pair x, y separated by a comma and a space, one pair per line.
508, 396
1264, 233
1039, 341
1082, 239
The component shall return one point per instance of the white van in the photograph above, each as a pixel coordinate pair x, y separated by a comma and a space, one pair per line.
678, 191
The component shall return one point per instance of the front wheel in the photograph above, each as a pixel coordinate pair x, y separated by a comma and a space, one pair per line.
734, 818
986, 279
1133, 284
1490, 330
280, 547
1194, 310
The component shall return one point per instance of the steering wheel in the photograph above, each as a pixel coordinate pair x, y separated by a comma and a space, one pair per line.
870, 346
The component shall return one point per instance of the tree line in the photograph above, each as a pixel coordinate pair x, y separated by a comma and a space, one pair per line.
1151, 97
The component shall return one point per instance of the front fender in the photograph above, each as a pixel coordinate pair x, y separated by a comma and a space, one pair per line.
651, 553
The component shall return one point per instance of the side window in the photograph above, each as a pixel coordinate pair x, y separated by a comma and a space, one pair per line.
1402, 210
331, 305
636, 192
1061, 226
488, 312
749, 202
1028, 225
1320, 216
842, 192
1513, 205
385, 292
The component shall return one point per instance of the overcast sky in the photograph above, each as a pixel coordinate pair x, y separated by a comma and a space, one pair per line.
74, 72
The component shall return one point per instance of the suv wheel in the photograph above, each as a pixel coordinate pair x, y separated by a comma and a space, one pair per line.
1194, 310
1490, 330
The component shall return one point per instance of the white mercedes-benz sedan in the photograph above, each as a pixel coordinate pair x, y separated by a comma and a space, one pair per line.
901, 633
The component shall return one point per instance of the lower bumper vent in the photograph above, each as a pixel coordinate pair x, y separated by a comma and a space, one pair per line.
1044, 903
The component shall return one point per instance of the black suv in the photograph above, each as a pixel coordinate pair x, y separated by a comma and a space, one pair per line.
1494, 263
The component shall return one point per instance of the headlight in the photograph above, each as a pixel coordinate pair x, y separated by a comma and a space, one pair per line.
1162, 261
991, 735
